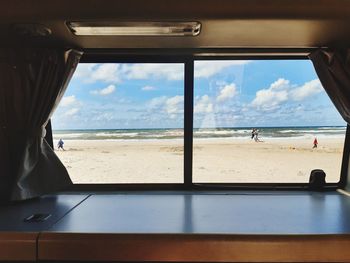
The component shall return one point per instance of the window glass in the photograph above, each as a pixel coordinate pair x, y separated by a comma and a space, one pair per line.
263, 121
122, 123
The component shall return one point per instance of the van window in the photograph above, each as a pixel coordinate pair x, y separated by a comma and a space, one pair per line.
263, 121
254, 121
122, 123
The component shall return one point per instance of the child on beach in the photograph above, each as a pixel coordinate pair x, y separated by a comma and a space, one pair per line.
315, 143
60, 145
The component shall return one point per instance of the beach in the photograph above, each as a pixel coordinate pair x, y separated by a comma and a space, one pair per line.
215, 160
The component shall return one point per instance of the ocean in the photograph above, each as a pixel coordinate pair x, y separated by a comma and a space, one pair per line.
201, 133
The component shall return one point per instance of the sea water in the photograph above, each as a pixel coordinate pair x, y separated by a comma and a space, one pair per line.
202, 133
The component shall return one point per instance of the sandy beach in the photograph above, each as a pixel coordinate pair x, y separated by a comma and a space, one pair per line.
214, 160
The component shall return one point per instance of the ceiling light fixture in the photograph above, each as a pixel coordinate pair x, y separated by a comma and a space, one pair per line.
135, 28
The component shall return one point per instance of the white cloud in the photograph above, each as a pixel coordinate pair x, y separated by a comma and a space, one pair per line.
148, 88
206, 69
280, 84
107, 73
71, 112
171, 106
157, 71
91, 73
157, 102
227, 92
67, 109
282, 90
203, 105
103, 116
68, 101
174, 105
104, 92
271, 97
310, 88
84, 70
115, 73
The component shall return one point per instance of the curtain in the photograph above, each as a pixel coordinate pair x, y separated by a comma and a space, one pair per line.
32, 83
333, 70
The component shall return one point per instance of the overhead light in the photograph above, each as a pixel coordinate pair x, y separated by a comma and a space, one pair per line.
135, 28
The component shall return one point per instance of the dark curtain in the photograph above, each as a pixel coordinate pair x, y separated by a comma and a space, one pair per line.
32, 82
333, 70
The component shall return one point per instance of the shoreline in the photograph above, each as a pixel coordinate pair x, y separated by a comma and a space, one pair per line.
239, 139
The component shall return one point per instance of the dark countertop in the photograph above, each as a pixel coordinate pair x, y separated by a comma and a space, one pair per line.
220, 213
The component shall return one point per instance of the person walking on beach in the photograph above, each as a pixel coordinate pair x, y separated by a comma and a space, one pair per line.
315, 143
60, 145
253, 133
256, 134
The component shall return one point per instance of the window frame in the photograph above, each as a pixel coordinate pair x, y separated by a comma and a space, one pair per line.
188, 57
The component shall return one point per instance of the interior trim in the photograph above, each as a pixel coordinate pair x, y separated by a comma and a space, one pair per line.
194, 248
342, 191
18, 246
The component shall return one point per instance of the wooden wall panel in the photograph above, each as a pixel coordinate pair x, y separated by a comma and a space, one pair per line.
16, 246
194, 248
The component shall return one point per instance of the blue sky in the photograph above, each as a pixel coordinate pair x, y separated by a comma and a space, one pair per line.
227, 94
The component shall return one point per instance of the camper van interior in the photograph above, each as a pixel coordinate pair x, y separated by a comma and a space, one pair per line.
174, 131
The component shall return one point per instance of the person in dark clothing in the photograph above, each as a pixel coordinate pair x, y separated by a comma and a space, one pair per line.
60, 144
253, 133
